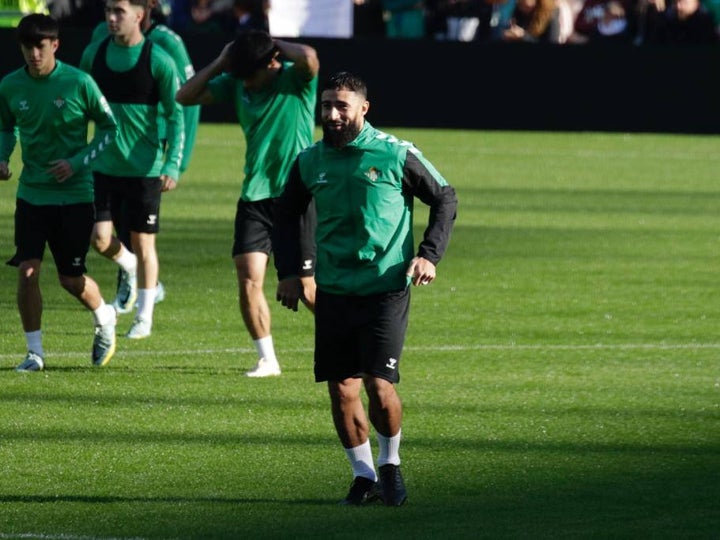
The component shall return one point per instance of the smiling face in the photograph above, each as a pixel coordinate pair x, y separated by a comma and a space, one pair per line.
343, 115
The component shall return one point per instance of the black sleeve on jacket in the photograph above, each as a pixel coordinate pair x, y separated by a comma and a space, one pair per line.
290, 226
419, 182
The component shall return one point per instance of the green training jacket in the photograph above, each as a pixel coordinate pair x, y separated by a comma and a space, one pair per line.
51, 116
138, 151
170, 42
364, 194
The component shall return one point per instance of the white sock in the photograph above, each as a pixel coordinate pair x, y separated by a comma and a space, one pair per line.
104, 314
389, 449
127, 260
146, 303
361, 461
265, 348
34, 342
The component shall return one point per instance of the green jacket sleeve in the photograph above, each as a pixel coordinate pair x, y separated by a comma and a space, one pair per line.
168, 84
106, 128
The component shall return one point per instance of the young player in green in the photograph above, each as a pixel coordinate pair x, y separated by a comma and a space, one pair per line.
49, 105
172, 44
275, 104
140, 82
363, 182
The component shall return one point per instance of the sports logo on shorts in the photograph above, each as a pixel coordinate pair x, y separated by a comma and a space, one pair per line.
391, 363
152, 219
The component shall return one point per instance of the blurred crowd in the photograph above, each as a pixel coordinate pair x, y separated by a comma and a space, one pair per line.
542, 21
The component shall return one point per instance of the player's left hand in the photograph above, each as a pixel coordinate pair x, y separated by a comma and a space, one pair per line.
421, 271
60, 169
168, 183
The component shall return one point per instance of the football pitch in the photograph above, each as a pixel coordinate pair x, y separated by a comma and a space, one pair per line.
561, 377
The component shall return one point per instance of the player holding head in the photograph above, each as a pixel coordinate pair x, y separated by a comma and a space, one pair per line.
275, 104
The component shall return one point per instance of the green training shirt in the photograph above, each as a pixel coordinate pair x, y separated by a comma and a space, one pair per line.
138, 151
51, 116
172, 44
277, 122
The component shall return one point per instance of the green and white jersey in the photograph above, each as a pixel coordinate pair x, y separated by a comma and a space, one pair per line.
51, 116
140, 82
364, 195
277, 122
171, 43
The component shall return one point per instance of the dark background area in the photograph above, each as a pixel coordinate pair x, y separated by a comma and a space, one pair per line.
425, 83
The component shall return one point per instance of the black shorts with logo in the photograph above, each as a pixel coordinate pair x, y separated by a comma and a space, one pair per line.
135, 198
356, 335
253, 231
65, 229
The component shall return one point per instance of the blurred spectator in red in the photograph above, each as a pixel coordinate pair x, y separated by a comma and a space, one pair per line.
678, 22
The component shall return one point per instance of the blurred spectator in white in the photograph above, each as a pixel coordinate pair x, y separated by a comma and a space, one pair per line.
536, 21
605, 21
404, 19
466, 20
311, 18
684, 22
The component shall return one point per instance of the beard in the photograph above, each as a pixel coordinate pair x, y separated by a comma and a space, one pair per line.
340, 137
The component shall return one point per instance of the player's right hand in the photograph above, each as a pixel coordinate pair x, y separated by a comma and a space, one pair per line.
5, 173
289, 292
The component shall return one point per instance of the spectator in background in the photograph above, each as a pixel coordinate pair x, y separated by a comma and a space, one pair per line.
684, 22
713, 6
605, 21
250, 15
467, 20
209, 17
535, 21
368, 18
404, 18
179, 18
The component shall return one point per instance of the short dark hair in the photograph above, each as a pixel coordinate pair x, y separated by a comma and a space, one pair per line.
251, 50
33, 28
344, 80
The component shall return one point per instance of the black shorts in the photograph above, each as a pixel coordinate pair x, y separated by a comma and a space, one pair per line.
136, 199
253, 231
356, 335
66, 230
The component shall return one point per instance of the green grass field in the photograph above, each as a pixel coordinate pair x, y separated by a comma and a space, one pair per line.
560, 380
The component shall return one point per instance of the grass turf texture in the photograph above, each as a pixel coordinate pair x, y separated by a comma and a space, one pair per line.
560, 378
